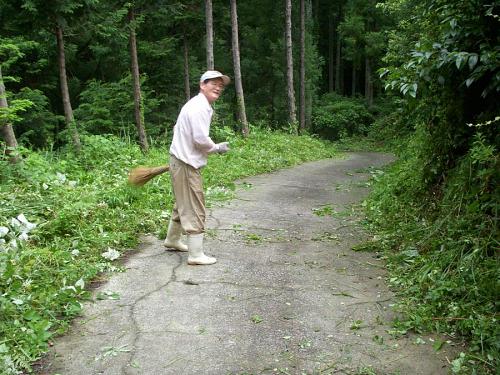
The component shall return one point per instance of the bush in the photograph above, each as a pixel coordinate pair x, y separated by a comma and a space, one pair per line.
337, 117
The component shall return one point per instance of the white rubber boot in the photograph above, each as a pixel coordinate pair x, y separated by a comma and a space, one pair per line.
173, 240
196, 255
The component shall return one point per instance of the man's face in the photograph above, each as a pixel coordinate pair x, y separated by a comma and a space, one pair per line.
212, 89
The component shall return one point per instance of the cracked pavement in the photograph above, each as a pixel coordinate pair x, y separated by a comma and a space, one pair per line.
287, 295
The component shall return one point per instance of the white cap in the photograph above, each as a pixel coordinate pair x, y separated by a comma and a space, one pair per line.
211, 74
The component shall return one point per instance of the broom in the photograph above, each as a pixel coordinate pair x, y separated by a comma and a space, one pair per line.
140, 175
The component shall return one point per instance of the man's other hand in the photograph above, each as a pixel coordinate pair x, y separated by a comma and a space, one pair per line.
223, 147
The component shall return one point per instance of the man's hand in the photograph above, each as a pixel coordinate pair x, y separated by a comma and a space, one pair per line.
223, 147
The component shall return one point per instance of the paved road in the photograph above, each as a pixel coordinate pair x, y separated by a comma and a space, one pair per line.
287, 296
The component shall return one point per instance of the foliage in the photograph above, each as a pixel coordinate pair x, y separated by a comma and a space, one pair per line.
441, 244
37, 124
78, 213
337, 117
435, 210
455, 41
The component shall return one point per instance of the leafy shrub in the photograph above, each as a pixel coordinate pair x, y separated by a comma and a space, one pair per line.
337, 117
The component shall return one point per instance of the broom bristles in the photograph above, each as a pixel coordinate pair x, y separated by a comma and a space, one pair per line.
140, 175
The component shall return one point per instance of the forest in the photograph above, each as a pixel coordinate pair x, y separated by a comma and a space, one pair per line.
90, 88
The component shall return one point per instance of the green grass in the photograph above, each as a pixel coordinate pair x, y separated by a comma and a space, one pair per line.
83, 208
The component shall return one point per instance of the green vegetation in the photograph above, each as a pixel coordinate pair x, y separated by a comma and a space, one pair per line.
442, 247
86, 215
435, 211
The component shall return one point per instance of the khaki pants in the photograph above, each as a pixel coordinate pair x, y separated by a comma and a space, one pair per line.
189, 207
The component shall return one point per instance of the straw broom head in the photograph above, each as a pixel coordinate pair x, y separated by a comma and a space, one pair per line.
140, 175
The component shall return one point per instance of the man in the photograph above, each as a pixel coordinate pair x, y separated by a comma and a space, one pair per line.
190, 147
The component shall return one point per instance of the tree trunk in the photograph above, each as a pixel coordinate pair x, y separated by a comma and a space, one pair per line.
6, 129
353, 83
240, 98
63, 78
309, 89
210, 34
187, 89
139, 120
331, 64
302, 122
338, 62
368, 83
289, 63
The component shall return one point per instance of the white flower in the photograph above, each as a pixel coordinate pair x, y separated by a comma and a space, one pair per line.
3, 231
23, 236
72, 184
75, 252
13, 244
111, 254
45, 186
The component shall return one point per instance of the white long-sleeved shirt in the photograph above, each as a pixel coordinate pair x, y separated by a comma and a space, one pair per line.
191, 142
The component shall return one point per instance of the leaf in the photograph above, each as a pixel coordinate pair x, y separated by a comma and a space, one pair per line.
107, 295
80, 284
438, 345
473, 58
256, 319
111, 254
419, 341
469, 81
3, 231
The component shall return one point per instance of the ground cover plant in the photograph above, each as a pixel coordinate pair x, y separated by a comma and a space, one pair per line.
64, 218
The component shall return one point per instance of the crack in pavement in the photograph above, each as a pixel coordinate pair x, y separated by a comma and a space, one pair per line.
132, 314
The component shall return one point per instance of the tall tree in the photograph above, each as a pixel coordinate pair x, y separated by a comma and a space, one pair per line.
331, 65
5, 127
240, 98
63, 80
338, 65
40, 18
138, 110
289, 63
187, 89
302, 123
352, 30
210, 34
